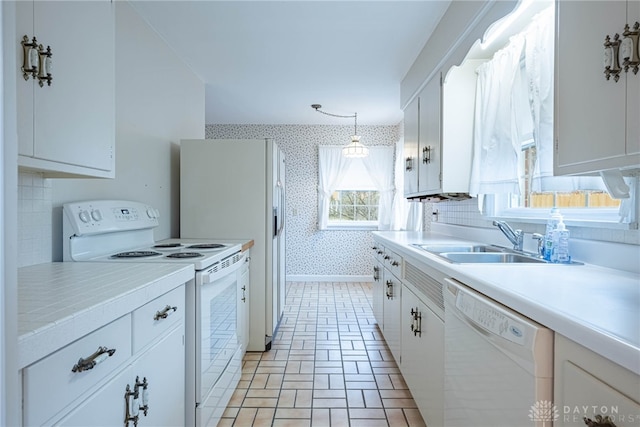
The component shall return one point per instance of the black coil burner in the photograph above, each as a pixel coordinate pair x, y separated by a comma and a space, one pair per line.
207, 246
135, 254
185, 255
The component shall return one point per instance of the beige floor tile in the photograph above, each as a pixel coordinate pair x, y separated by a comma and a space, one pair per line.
293, 413
262, 392
414, 418
260, 402
339, 417
367, 413
396, 417
397, 403
329, 394
368, 423
329, 403
320, 417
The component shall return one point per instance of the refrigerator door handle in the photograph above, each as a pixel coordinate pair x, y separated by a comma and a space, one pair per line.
281, 207
275, 222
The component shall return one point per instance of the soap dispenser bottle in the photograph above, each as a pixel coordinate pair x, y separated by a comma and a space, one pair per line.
555, 217
560, 251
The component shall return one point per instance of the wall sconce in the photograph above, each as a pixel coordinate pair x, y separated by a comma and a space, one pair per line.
355, 148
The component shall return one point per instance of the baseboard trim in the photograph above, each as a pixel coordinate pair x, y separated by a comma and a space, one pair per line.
328, 278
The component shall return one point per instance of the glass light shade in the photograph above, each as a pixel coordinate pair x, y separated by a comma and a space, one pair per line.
355, 149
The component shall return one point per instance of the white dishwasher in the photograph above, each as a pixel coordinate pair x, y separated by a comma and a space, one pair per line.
498, 364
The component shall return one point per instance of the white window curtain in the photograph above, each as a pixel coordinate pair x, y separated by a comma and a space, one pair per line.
379, 164
494, 167
405, 215
331, 167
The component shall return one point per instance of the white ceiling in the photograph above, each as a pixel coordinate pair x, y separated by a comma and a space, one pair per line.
266, 62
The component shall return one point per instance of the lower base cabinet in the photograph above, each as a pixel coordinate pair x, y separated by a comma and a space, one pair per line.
422, 364
107, 406
586, 385
145, 371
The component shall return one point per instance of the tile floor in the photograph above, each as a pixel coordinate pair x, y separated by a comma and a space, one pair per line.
328, 366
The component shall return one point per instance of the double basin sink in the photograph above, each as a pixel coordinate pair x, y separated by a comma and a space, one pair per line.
485, 254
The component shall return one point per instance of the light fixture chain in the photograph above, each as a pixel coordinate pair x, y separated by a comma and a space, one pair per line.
352, 116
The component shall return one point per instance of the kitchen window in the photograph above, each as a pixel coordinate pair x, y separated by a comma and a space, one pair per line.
355, 193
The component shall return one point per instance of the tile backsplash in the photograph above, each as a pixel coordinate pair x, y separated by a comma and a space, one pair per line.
34, 219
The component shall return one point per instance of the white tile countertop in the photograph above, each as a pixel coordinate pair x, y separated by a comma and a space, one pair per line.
594, 306
63, 301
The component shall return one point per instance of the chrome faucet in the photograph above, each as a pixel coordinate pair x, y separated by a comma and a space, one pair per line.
515, 236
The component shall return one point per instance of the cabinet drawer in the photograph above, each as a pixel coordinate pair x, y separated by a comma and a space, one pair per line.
50, 384
393, 262
149, 321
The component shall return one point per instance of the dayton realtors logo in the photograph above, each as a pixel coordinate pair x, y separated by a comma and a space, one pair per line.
543, 411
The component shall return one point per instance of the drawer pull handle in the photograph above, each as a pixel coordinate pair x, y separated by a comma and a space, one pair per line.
145, 394
131, 411
100, 355
395, 263
165, 312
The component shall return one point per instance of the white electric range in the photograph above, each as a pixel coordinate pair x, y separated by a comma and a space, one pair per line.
122, 231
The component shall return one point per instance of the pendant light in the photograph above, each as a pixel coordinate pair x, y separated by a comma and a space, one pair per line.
355, 148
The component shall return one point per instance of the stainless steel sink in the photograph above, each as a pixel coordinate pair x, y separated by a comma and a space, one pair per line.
491, 257
482, 254
438, 249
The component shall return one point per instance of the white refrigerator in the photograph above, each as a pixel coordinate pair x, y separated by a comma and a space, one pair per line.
235, 189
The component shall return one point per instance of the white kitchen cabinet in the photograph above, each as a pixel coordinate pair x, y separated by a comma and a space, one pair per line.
597, 125
422, 363
422, 325
165, 406
587, 385
67, 128
438, 135
148, 344
391, 301
244, 287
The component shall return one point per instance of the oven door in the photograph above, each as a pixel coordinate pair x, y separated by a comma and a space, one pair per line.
216, 326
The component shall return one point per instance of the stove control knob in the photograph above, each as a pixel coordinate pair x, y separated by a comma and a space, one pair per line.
84, 216
150, 213
96, 215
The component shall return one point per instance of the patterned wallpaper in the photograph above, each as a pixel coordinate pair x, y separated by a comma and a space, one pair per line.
310, 251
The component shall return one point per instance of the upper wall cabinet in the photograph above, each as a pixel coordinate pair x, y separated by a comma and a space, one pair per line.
438, 135
597, 119
65, 55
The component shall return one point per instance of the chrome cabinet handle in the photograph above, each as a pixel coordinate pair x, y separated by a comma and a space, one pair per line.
131, 410
395, 263
99, 356
376, 274
145, 394
387, 257
416, 322
165, 312
426, 155
45, 65
29, 57
389, 289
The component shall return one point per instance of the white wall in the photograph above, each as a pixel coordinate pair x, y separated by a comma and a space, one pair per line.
159, 100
